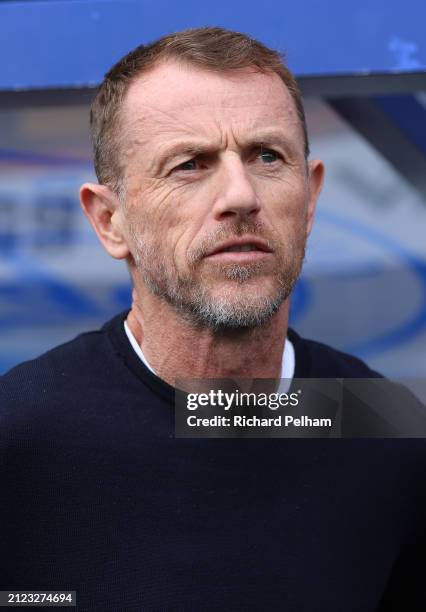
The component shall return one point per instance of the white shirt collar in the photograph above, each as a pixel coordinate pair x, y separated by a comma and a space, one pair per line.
288, 362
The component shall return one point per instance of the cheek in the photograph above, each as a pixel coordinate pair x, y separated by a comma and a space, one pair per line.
179, 218
156, 211
285, 203
170, 227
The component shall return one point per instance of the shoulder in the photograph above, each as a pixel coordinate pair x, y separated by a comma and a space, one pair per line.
87, 351
383, 408
54, 382
318, 360
56, 362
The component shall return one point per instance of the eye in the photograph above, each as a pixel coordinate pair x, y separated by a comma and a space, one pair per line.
268, 156
190, 164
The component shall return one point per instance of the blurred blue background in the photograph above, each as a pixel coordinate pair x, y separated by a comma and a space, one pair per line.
363, 70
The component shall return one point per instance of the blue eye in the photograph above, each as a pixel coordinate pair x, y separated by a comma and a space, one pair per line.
268, 156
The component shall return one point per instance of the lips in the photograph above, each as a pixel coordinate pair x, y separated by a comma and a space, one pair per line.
241, 245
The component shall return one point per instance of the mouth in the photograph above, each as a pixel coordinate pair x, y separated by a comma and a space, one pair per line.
243, 249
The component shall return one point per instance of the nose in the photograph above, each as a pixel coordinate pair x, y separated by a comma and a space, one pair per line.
236, 194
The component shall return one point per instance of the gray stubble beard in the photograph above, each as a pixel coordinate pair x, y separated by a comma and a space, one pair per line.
193, 301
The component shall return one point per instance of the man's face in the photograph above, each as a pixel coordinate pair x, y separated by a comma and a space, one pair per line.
218, 202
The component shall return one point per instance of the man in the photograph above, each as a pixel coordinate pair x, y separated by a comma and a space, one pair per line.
206, 190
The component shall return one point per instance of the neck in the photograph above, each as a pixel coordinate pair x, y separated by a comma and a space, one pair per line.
175, 349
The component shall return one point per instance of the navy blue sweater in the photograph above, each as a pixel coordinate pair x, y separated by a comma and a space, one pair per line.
99, 497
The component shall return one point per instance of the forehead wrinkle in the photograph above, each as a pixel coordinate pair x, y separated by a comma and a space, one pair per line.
142, 133
149, 124
205, 131
224, 92
149, 132
169, 108
159, 122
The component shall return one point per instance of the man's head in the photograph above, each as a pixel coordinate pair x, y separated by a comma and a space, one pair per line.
200, 145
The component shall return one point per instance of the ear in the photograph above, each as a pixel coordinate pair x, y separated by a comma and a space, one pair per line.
316, 179
102, 207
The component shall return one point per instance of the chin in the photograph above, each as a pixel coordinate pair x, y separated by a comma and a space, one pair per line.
235, 317
257, 289
234, 308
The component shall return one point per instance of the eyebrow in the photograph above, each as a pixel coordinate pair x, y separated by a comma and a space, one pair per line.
192, 148
183, 149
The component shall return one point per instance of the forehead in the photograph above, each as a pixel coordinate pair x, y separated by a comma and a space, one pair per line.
176, 99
